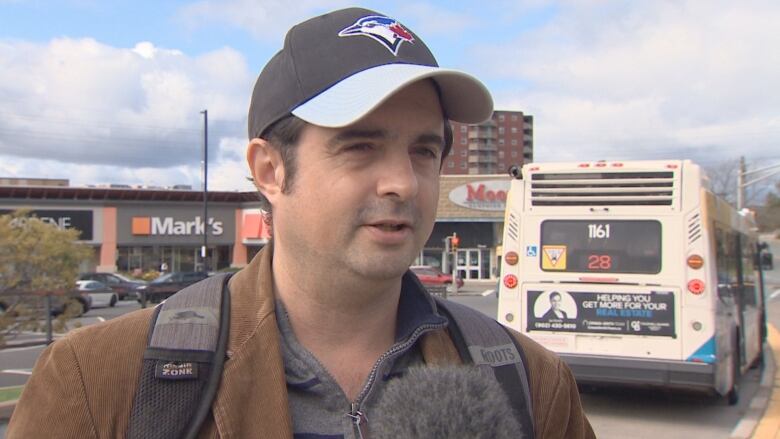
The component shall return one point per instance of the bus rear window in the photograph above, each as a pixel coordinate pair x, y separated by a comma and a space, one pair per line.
601, 246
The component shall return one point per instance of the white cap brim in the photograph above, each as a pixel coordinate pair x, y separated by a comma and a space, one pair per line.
464, 98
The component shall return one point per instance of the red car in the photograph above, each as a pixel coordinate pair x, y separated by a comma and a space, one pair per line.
432, 276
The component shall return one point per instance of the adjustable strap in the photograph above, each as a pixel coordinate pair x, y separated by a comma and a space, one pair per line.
487, 344
183, 361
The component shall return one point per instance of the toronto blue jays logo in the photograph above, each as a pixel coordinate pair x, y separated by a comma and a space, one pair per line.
385, 30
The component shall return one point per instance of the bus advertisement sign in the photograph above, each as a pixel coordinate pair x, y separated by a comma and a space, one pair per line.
617, 313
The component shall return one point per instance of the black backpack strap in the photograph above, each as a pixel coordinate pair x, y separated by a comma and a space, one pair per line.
489, 345
183, 361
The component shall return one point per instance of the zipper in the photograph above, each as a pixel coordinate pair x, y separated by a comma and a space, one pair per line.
359, 418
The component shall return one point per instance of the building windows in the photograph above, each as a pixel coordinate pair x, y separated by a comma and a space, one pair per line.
500, 117
500, 130
450, 164
463, 141
463, 165
500, 141
463, 128
514, 154
464, 153
514, 142
514, 130
514, 118
501, 154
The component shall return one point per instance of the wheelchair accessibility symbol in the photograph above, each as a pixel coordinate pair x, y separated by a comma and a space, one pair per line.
531, 251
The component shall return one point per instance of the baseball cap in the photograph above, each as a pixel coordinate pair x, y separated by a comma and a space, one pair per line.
335, 68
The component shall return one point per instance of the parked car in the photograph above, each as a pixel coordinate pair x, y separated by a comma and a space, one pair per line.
430, 276
168, 284
101, 294
74, 302
124, 287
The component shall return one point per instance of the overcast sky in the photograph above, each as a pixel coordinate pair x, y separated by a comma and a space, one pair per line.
108, 91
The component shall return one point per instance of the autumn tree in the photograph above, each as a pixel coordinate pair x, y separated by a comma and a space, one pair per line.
36, 258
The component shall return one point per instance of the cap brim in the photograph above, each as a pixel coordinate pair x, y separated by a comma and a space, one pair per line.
464, 98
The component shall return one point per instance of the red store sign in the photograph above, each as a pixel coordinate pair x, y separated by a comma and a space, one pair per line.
482, 195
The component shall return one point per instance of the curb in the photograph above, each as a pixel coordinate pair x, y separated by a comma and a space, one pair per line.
24, 344
760, 421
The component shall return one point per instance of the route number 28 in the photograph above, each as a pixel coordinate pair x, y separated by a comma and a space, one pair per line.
599, 262
598, 231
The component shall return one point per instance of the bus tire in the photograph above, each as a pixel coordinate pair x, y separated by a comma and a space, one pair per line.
733, 396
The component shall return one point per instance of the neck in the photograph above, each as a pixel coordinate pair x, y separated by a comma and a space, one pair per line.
327, 308
346, 322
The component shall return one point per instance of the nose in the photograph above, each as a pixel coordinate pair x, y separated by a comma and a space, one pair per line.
398, 178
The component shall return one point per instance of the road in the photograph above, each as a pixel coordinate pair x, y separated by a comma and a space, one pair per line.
16, 363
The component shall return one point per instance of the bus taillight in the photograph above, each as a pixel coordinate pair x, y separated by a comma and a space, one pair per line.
510, 281
696, 286
695, 261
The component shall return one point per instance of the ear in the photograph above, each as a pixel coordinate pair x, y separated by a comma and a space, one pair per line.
266, 166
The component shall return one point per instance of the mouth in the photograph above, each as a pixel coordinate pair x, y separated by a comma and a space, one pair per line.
390, 226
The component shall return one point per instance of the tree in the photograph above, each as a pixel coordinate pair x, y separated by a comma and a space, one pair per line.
723, 179
769, 215
36, 258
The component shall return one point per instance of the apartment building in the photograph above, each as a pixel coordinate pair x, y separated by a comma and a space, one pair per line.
491, 147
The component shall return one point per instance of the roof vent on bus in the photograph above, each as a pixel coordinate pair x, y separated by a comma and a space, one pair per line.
607, 188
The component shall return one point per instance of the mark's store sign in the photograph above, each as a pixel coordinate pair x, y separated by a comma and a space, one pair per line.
168, 226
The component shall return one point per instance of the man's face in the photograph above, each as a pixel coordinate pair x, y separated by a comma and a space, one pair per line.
364, 198
555, 301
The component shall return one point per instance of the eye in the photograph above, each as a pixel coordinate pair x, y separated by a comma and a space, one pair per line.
358, 147
426, 151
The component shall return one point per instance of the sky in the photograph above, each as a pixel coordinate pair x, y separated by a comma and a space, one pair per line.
109, 91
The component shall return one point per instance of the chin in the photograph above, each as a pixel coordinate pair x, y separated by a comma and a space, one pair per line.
382, 268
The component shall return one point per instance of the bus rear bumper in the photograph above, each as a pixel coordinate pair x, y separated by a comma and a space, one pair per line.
591, 369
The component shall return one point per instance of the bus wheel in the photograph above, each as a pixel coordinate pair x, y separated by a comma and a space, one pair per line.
733, 395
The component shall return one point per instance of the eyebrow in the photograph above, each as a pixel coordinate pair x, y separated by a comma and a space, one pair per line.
355, 134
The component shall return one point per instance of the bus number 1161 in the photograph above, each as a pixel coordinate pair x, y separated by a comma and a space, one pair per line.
598, 231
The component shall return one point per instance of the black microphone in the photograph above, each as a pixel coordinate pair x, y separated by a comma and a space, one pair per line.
444, 402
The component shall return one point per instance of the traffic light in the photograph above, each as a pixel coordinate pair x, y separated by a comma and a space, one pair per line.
455, 242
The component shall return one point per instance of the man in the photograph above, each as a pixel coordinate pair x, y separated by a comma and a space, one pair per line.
348, 129
555, 312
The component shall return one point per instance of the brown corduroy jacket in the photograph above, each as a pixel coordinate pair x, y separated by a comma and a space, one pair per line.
84, 384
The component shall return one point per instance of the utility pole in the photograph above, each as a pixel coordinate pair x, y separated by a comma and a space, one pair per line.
742, 184
204, 249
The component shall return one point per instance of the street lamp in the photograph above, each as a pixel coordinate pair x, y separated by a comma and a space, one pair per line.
205, 189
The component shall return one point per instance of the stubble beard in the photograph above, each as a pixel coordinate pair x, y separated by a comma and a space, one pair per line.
366, 260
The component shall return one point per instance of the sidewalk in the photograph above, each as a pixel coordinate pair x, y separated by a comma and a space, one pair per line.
767, 400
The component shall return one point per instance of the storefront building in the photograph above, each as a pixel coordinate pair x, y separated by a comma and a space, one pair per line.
471, 206
140, 230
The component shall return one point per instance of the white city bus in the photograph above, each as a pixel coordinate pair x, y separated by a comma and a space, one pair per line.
634, 272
